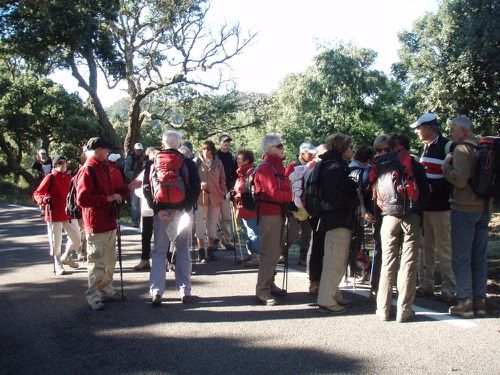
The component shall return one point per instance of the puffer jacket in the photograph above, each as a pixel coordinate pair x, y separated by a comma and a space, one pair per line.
243, 173
57, 190
97, 213
271, 185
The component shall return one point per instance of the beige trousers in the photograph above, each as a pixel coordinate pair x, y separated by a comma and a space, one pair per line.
390, 233
225, 220
72, 230
101, 261
437, 239
337, 242
271, 234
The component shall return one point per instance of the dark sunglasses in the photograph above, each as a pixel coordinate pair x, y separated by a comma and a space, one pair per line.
280, 146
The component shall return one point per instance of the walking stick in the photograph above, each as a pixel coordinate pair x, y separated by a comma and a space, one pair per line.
236, 234
52, 240
285, 266
116, 207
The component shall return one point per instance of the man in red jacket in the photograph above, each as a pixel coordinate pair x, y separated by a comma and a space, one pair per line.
51, 193
97, 197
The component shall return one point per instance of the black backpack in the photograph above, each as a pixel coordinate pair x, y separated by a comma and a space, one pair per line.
249, 197
312, 195
73, 210
486, 179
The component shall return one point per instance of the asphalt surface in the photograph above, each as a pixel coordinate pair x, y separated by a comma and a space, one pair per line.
47, 328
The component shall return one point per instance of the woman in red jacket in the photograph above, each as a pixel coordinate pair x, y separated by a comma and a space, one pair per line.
273, 192
245, 160
52, 193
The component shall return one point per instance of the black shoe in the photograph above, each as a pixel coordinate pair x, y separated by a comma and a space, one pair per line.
156, 300
201, 255
187, 299
210, 254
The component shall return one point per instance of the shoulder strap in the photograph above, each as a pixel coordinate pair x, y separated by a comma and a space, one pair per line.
51, 182
447, 147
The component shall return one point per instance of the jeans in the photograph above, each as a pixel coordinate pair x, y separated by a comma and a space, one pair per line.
135, 209
252, 234
469, 241
377, 255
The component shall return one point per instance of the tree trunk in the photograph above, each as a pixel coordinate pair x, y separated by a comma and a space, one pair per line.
134, 126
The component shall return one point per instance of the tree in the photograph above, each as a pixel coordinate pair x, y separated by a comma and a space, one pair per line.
68, 35
339, 93
449, 62
33, 110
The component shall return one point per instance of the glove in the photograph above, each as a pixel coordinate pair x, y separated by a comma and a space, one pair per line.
47, 200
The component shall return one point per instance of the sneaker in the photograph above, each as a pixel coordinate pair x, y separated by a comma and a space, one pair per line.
335, 309
187, 299
112, 298
60, 271
96, 305
479, 307
142, 265
313, 287
201, 255
267, 300
404, 316
156, 300
70, 262
422, 292
464, 309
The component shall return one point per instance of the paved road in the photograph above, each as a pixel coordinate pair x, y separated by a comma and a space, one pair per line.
47, 328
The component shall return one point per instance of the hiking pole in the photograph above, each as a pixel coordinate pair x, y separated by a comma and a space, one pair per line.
236, 234
52, 240
116, 208
285, 266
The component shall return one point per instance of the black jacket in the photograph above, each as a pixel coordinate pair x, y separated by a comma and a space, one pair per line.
339, 190
230, 167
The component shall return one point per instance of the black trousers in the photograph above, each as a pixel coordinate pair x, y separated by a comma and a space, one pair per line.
147, 234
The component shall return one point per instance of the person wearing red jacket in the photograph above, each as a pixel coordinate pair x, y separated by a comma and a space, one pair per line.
246, 167
97, 197
273, 192
51, 193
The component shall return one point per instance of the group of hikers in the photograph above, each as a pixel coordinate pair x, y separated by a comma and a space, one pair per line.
328, 194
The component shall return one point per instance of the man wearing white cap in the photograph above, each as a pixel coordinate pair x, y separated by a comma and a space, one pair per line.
436, 217
306, 154
134, 164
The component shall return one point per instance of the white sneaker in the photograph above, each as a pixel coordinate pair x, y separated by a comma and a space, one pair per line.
60, 271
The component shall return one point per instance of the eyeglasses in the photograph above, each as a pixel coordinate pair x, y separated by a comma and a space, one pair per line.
279, 147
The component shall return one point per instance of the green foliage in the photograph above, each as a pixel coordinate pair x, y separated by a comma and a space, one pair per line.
449, 63
36, 112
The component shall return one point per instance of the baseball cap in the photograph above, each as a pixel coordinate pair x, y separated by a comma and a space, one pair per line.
224, 138
307, 147
138, 146
114, 157
424, 119
98, 142
42, 151
57, 159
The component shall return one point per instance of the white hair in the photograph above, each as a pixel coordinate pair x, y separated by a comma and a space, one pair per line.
269, 140
463, 122
171, 139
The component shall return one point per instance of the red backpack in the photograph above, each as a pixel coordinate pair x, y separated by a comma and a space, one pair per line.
169, 178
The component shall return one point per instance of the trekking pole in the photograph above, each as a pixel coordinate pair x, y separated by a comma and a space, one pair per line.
236, 234
285, 266
52, 240
116, 208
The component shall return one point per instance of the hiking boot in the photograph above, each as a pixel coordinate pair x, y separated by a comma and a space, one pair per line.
228, 246
112, 297
253, 261
96, 305
201, 255
142, 265
156, 300
267, 300
479, 307
313, 287
463, 309
70, 262
335, 309
277, 291
211, 254
404, 316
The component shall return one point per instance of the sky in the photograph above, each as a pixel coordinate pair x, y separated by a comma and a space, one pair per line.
290, 31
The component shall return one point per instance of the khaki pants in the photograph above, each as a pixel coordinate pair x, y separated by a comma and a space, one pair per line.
225, 221
436, 240
271, 234
101, 260
72, 230
337, 242
390, 233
